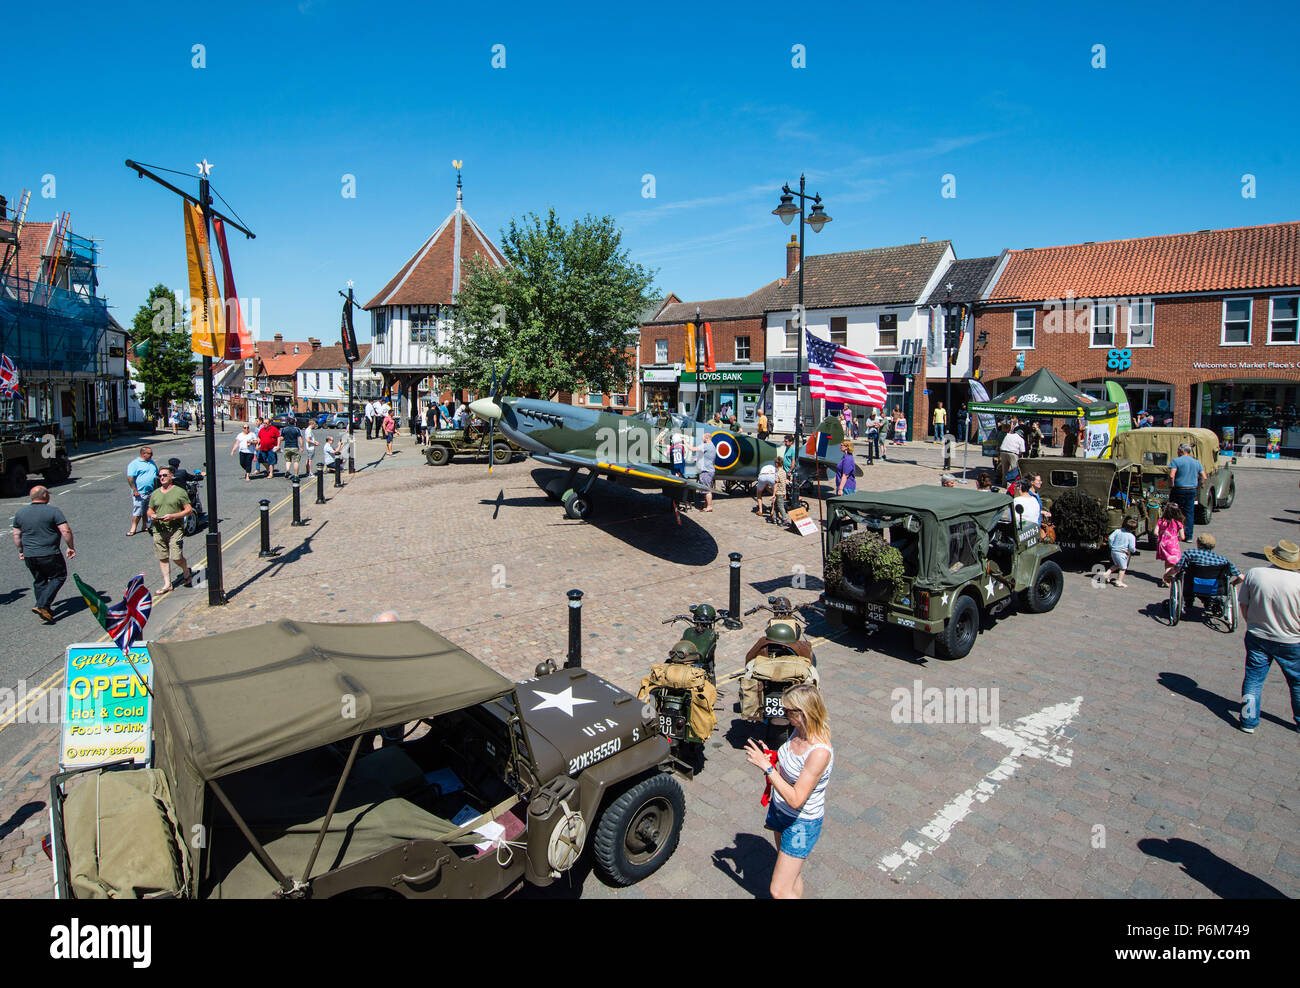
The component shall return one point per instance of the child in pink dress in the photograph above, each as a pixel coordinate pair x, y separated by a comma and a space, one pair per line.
1169, 532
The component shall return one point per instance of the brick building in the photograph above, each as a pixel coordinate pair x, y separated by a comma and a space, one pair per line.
738, 353
1200, 328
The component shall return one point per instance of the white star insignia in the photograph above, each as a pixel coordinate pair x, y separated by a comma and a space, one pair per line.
990, 587
945, 599
565, 701
203, 167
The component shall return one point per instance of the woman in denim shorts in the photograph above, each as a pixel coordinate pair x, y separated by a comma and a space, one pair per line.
798, 781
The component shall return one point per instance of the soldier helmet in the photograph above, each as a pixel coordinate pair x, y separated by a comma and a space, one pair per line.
782, 633
705, 613
684, 651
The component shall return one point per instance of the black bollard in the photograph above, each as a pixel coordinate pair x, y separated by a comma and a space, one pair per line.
320, 483
352, 464
574, 658
264, 506
338, 472
297, 500
733, 606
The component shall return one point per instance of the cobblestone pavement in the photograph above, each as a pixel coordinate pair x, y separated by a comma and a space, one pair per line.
1149, 791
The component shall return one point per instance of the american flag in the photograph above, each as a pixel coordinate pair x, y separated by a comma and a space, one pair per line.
126, 619
8, 375
837, 373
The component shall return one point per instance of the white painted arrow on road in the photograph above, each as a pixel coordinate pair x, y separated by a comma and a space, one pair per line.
1034, 736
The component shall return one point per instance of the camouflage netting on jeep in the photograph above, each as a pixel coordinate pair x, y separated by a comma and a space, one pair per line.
1080, 518
868, 554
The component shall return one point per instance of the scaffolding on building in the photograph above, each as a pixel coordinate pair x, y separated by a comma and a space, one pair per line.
51, 325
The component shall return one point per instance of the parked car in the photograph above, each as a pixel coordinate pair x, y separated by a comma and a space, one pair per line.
339, 420
259, 763
27, 447
963, 558
1156, 448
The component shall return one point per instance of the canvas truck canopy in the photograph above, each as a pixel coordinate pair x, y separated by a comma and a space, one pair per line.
243, 698
945, 514
1157, 447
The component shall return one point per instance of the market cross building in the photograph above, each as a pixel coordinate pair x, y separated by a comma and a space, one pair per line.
414, 312
1199, 329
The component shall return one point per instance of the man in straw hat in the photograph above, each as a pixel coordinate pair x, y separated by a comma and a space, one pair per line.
1270, 606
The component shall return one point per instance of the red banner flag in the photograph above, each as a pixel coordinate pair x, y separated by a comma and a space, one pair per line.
239, 342
709, 364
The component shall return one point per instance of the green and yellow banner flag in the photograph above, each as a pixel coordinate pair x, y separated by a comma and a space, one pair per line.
97, 604
207, 311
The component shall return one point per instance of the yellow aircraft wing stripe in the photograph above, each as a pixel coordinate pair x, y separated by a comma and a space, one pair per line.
639, 473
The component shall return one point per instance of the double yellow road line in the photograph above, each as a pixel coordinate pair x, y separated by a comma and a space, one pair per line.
14, 716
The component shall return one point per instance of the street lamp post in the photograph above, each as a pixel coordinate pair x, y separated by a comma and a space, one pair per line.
817, 219
949, 313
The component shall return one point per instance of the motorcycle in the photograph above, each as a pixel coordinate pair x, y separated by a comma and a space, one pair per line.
779, 659
683, 689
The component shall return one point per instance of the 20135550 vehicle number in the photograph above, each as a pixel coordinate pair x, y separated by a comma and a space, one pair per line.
588, 758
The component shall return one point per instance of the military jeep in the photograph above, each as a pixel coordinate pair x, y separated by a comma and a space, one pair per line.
1115, 485
963, 555
297, 760
25, 448
1156, 448
446, 444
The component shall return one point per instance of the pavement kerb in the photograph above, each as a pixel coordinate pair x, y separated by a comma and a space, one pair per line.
135, 442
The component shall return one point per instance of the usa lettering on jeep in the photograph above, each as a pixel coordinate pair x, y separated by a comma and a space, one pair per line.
600, 727
589, 758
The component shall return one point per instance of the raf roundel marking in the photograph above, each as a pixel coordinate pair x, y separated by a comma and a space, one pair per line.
728, 450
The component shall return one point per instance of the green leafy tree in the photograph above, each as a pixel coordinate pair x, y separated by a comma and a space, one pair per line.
164, 359
560, 313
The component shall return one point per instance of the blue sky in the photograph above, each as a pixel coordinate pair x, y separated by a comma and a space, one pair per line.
1044, 148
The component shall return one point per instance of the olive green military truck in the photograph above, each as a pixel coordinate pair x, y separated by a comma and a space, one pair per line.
297, 760
1156, 448
935, 560
446, 444
1090, 498
29, 447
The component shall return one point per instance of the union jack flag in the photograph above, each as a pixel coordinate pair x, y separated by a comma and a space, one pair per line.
126, 618
8, 375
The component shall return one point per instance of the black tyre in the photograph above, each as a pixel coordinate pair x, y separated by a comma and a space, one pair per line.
959, 634
191, 523
1045, 592
58, 473
1230, 608
500, 454
1203, 513
639, 829
1230, 496
15, 480
577, 506
1176, 600
438, 455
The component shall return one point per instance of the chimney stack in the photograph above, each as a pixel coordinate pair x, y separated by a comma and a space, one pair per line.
279, 337
791, 255
923, 240
315, 343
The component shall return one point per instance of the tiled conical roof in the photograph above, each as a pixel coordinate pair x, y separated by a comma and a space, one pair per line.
435, 272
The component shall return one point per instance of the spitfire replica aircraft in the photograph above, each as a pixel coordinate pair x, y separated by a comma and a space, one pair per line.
631, 450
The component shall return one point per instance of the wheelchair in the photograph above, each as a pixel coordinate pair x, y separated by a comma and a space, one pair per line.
1212, 586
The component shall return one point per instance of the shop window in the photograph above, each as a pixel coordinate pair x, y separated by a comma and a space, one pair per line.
1103, 325
1282, 326
1141, 323
1024, 331
888, 331
595, 398
840, 330
1236, 321
661, 351
791, 335
742, 347
618, 400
